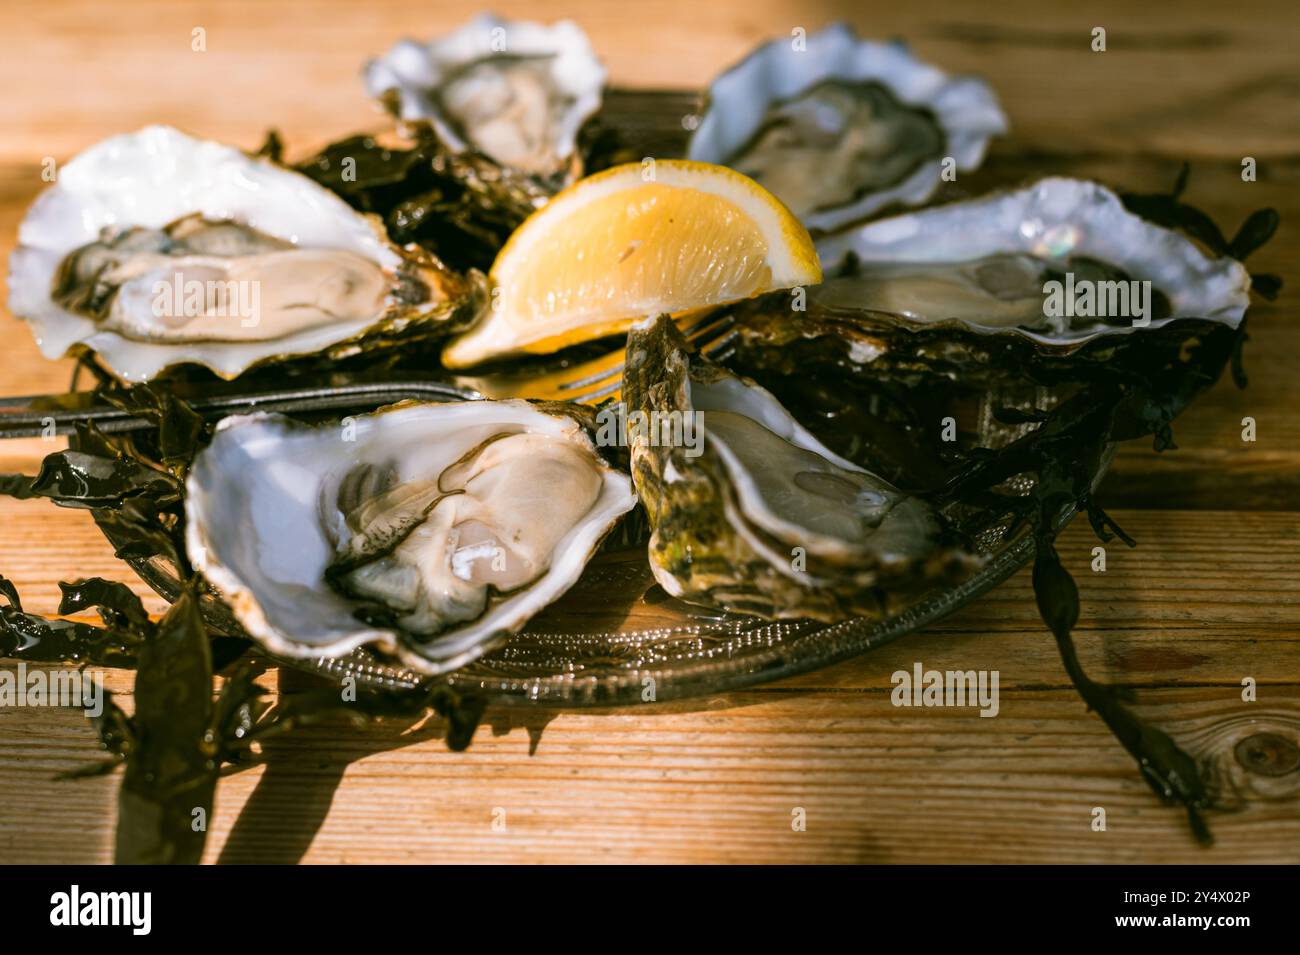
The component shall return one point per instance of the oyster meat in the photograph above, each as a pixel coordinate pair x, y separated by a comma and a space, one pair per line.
759, 517
516, 91
872, 120
155, 249
112, 281
430, 531
998, 291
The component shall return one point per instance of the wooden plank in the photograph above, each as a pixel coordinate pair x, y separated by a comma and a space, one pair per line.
716, 779
1199, 78
716, 784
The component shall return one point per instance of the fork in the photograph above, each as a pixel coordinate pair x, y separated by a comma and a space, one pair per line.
597, 379
588, 382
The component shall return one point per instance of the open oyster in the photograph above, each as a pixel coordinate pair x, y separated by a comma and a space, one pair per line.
871, 119
984, 262
516, 91
428, 530
755, 515
154, 249
1043, 279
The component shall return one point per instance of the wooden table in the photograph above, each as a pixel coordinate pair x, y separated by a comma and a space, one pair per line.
1210, 596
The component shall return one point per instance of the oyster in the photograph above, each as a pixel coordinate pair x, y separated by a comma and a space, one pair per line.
517, 91
430, 531
984, 263
1044, 280
874, 121
764, 519
154, 249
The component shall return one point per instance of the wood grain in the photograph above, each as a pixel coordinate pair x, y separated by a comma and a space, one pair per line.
1209, 597
718, 784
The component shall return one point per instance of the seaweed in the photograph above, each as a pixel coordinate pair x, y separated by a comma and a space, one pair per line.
1138, 394
1063, 453
461, 207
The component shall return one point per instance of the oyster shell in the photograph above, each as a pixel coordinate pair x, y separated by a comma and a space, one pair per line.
765, 519
154, 248
517, 91
460, 206
983, 262
963, 289
430, 531
874, 121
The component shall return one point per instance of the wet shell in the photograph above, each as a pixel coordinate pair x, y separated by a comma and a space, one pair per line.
517, 91
428, 531
944, 291
107, 259
873, 120
764, 519
1057, 222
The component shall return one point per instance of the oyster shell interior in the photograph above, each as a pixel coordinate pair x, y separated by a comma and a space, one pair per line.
858, 137
985, 263
155, 249
872, 121
428, 553
507, 108
997, 291
519, 92
429, 530
763, 518
792, 488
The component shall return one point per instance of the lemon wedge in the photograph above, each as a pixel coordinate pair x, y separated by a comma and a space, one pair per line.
631, 242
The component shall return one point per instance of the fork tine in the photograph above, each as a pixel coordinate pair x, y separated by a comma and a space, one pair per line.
601, 377
719, 348
710, 328
711, 337
717, 330
613, 388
